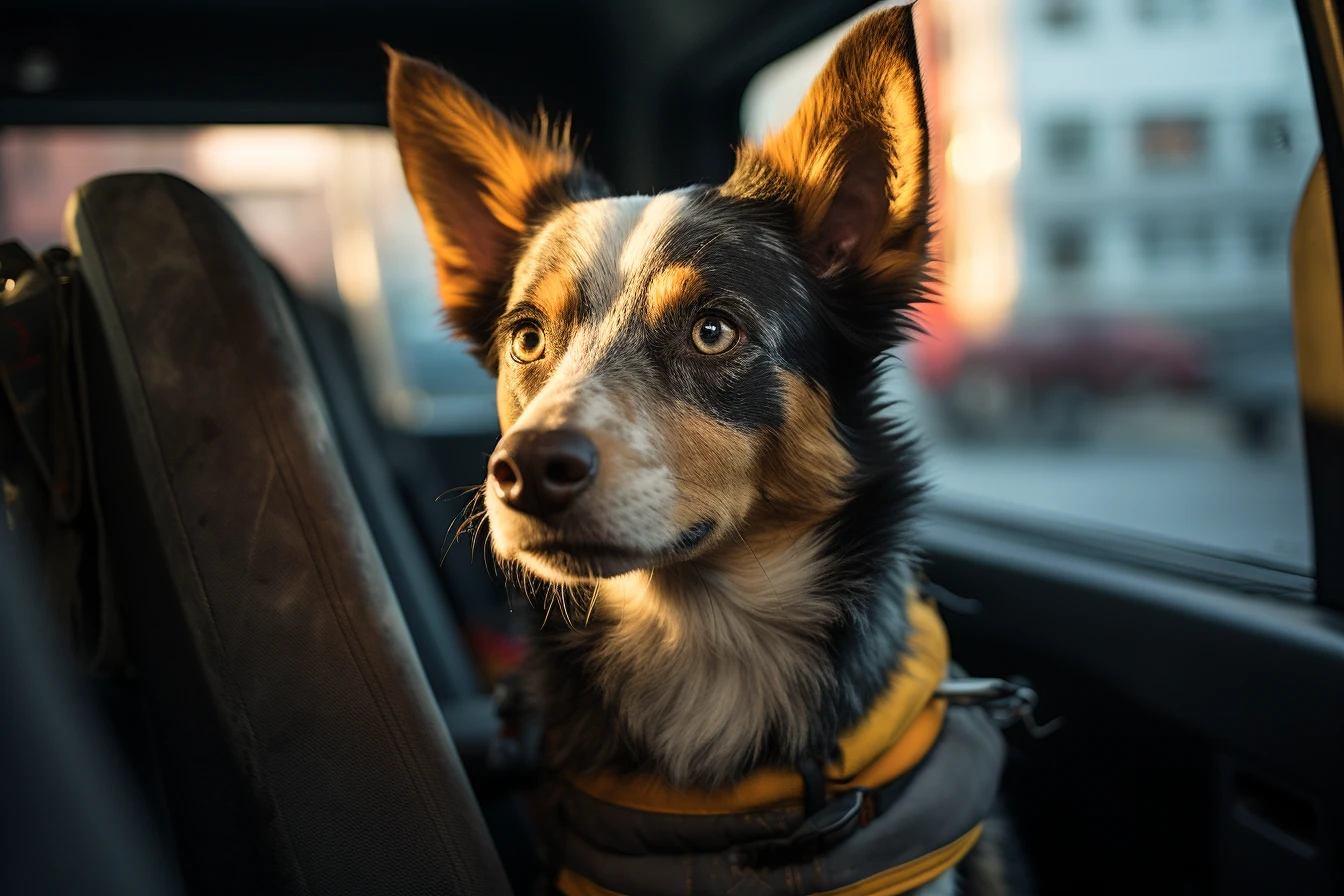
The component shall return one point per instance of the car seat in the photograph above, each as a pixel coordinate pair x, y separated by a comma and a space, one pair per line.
299, 746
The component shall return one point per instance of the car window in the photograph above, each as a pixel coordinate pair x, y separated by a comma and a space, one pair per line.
327, 205
1115, 184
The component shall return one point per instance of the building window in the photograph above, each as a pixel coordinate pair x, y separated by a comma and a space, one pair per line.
1271, 136
1062, 15
1164, 12
1068, 143
1267, 236
1173, 142
1068, 247
1153, 242
1199, 234
1165, 237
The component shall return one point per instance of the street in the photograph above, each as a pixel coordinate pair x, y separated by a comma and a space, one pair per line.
1226, 502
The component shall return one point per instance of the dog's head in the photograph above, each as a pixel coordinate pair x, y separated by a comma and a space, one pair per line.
673, 370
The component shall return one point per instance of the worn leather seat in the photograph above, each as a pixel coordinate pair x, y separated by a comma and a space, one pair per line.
299, 747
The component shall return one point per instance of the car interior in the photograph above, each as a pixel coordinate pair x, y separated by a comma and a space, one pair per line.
249, 640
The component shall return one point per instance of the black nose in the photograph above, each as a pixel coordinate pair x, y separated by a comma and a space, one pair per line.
542, 471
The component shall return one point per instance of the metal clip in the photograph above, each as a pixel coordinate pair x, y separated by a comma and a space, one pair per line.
1006, 702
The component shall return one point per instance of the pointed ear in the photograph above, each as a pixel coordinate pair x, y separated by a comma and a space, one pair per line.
478, 179
853, 161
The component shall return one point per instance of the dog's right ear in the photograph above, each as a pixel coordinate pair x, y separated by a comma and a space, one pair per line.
477, 179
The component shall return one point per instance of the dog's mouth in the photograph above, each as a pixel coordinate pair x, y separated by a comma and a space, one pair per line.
587, 560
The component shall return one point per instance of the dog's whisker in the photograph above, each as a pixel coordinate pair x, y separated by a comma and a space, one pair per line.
759, 564
469, 523
563, 599
457, 490
476, 531
464, 519
446, 545
592, 602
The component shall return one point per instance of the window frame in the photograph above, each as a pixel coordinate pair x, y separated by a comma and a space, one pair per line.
1323, 427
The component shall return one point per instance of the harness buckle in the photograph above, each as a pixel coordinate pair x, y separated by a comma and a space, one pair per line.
834, 822
1005, 702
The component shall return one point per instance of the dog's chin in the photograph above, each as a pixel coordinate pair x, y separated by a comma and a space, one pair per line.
567, 562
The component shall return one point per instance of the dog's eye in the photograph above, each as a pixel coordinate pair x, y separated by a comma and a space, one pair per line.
528, 343
713, 335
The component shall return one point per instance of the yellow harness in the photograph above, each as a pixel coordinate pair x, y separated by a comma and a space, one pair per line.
900, 732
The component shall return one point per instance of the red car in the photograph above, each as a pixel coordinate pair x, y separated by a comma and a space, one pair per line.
1042, 374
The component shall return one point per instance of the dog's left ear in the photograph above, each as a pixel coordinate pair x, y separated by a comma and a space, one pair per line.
478, 179
853, 161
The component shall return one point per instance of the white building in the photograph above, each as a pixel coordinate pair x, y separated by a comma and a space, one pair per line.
1165, 144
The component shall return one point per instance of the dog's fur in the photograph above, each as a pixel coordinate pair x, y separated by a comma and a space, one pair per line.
728, 594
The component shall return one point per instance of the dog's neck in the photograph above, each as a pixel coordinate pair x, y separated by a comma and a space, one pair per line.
758, 654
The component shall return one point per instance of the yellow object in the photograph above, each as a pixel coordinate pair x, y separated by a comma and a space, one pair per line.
892, 882
914, 873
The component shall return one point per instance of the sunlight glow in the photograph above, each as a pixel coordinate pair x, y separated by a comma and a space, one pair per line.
355, 254
985, 151
975, 112
249, 158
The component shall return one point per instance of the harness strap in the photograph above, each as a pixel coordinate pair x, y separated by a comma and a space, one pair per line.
900, 879
814, 786
890, 838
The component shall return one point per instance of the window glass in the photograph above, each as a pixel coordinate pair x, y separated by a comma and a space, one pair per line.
1115, 183
327, 205
1173, 142
1068, 143
1062, 15
1272, 136
1167, 12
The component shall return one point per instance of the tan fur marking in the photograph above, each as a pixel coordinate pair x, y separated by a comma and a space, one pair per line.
670, 287
507, 403
805, 478
714, 466
555, 294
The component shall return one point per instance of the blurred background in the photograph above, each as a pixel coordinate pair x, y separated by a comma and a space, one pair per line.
1115, 184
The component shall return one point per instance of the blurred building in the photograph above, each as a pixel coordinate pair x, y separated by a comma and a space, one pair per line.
1164, 146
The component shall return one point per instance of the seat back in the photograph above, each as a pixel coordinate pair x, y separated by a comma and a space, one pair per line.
300, 748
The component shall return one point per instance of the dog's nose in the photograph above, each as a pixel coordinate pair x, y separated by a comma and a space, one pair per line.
542, 471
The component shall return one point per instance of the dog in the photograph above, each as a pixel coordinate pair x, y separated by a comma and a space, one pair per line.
698, 474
